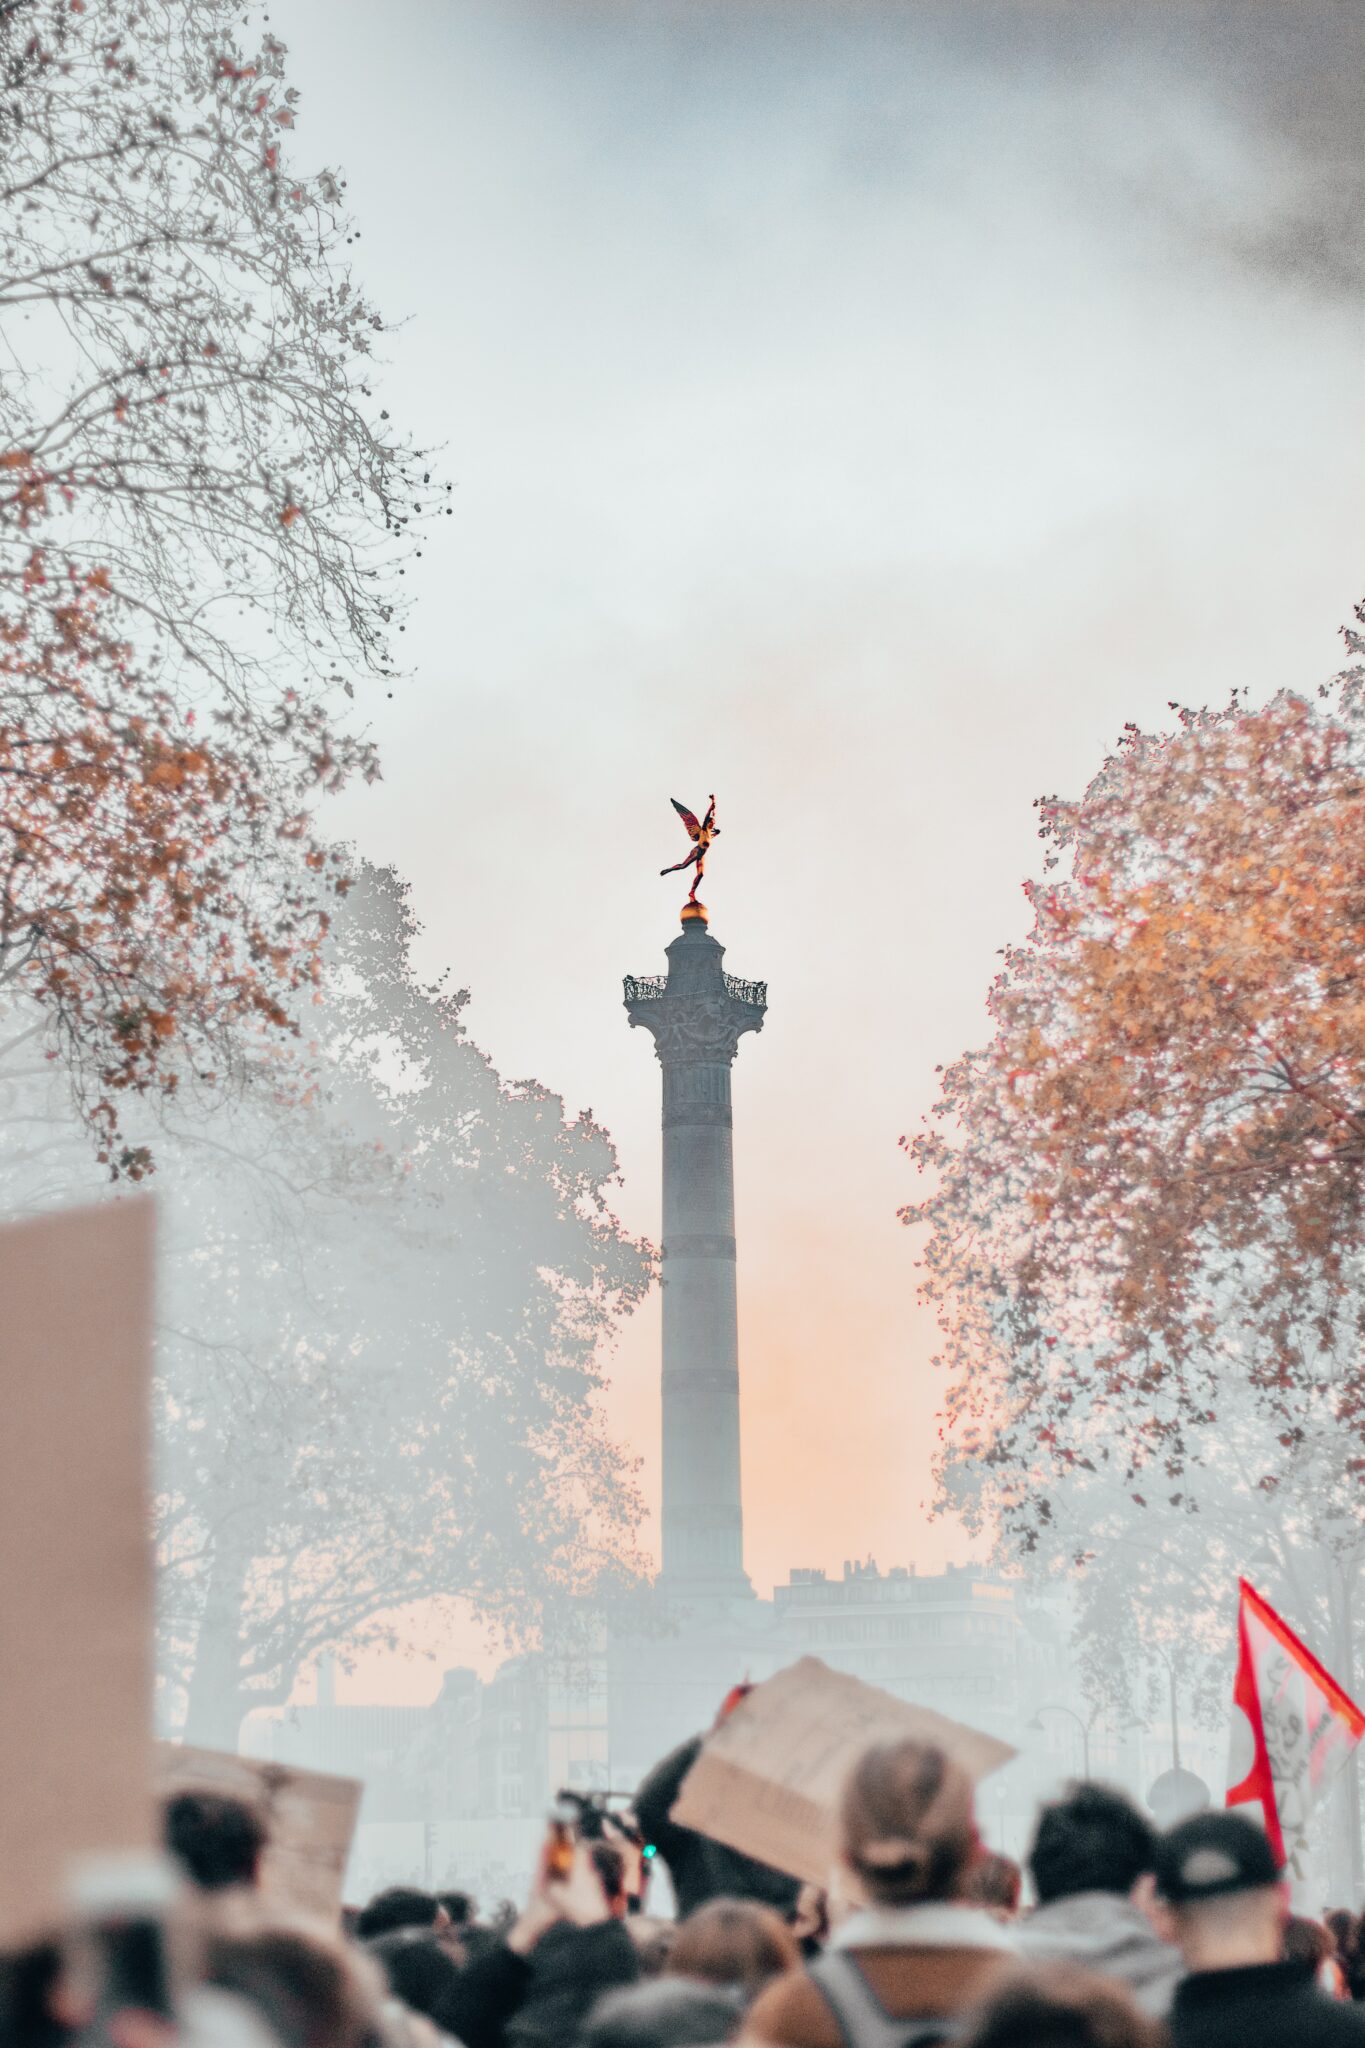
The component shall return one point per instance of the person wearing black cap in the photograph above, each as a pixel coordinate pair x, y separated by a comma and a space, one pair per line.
1220, 1886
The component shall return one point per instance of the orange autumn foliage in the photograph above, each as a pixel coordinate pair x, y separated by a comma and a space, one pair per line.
1148, 1184
145, 900
195, 465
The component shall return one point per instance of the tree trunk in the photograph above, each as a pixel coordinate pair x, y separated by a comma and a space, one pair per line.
1345, 1862
1355, 1862
216, 1708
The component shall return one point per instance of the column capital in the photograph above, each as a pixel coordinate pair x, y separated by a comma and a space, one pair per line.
696, 1012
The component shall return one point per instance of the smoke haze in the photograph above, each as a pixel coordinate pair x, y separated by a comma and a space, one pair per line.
859, 411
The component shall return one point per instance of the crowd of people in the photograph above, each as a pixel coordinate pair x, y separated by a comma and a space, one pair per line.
1128, 1939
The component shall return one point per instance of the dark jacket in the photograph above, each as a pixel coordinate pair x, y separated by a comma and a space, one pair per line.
570, 1969
700, 1868
1266, 2005
484, 1996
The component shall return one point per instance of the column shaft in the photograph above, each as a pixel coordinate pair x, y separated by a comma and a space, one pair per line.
696, 1016
703, 1534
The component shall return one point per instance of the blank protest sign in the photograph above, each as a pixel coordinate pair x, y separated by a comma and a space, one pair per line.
768, 1780
76, 1589
309, 1818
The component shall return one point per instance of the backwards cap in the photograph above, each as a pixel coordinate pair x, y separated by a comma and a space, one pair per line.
1212, 1856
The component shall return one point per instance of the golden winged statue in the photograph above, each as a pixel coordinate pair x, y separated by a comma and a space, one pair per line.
701, 833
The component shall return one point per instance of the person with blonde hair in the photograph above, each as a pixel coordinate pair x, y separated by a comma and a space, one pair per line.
902, 1971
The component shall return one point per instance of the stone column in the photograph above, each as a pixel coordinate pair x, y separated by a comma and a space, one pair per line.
697, 1014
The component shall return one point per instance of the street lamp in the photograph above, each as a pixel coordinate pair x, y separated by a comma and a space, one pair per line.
1058, 1707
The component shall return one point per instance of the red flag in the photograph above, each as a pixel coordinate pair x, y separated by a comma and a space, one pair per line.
1293, 1727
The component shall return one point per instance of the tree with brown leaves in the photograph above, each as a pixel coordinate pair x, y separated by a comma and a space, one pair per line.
203, 516
151, 899
1144, 1236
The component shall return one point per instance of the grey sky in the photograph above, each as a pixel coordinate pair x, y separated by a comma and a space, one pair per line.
859, 411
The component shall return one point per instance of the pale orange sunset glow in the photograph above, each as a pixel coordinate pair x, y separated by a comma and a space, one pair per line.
898, 442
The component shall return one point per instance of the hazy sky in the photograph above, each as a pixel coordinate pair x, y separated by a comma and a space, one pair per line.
860, 411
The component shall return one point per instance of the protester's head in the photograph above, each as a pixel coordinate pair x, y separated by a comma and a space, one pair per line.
653, 1941
217, 1840
995, 1882
1354, 1966
1218, 1882
735, 1943
419, 1969
907, 1824
311, 1991
1092, 1840
28, 1980
1344, 1930
666, 2012
1062, 2009
459, 1907
401, 1905
1307, 1941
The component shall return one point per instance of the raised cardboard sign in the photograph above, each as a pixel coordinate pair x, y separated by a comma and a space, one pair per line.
768, 1780
309, 1816
76, 1599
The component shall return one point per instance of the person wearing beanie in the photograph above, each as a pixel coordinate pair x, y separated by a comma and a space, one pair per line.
916, 1958
1220, 1887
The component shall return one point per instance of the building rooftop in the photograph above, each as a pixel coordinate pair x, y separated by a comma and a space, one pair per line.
863, 1582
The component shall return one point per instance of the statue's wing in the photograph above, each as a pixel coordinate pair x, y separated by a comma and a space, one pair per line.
688, 818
